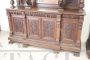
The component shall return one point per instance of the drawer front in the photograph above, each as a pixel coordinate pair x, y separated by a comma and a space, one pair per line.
34, 27
19, 25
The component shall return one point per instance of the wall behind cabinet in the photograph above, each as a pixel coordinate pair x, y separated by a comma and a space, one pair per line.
3, 18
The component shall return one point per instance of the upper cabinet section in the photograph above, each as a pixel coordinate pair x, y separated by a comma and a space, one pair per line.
55, 4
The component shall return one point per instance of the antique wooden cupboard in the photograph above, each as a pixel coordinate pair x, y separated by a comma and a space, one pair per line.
55, 24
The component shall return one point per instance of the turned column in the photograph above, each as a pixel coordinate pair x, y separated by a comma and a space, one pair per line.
81, 6
12, 3
61, 4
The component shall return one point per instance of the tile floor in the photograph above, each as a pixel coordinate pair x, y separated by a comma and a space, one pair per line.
17, 52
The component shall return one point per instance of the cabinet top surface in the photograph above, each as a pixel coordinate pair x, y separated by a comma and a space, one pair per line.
46, 10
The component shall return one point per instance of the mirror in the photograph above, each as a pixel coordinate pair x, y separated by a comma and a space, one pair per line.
48, 1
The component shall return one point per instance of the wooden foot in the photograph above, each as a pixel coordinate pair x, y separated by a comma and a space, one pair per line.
88, 47
88, 54
76, 54
11, 42
56, 52
26, 45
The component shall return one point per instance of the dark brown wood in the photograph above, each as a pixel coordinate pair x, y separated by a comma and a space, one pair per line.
44, 25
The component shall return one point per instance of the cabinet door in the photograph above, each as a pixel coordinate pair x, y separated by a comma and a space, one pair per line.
69, 30
49, 29
19, 25
34, 27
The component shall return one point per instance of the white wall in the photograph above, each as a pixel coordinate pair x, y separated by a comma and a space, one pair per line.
86, 23
3, 18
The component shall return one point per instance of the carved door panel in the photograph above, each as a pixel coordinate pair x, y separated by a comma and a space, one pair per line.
69, 32
19, 25
34, 27
49, 29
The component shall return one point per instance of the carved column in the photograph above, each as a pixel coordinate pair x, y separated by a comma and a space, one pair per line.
58, 27
10, 22
81, 5
80, 24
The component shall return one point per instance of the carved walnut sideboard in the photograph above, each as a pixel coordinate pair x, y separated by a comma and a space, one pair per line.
46, 26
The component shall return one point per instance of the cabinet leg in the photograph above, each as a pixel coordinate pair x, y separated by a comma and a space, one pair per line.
76, 54
26, 45
11, 42
56, 53
88, 53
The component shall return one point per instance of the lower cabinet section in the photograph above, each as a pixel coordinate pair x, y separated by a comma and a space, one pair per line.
47, 30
